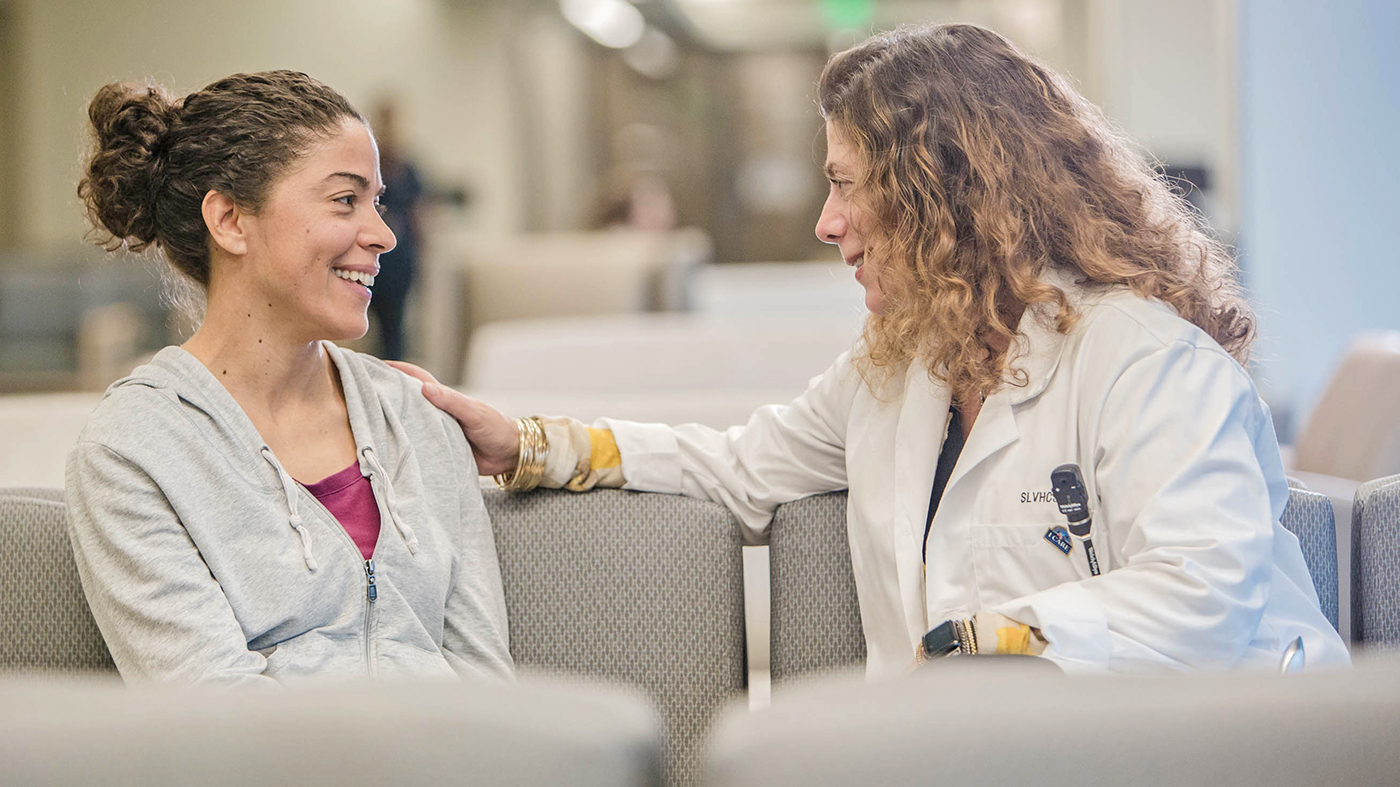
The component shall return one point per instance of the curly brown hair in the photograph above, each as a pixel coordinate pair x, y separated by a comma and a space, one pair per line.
982, 169
155, 156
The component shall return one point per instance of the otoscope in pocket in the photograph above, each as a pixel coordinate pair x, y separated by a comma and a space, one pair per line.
1067, 484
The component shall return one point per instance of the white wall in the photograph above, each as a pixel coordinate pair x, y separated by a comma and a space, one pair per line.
1320, 109
446, 60
1164, 72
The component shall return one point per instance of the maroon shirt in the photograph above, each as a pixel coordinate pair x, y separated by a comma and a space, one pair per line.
350, 499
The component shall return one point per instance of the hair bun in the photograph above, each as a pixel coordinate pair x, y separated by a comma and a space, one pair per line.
129, 123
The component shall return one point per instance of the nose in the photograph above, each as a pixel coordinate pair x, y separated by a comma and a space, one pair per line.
377, 236
831, 225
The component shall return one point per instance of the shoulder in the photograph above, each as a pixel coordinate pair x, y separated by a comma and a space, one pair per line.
395, 388
133, 414
1121, 328
400, 399
1126, 343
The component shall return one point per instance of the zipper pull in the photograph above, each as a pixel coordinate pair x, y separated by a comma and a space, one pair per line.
373, 591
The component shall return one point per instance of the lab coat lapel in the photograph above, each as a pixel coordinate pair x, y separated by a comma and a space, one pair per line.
923, 421
1035, 351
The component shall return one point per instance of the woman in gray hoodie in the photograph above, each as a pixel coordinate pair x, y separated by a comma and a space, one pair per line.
255, 505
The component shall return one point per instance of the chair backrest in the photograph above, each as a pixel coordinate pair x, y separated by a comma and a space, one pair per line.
643, 590
1308, 516
1375, 565
46, 625
640, 589
1354, 431
816, 617
339, 735
996, 723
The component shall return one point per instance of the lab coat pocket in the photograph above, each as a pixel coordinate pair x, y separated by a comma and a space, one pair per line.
1011, 561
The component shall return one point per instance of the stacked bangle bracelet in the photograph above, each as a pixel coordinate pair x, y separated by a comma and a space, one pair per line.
529, 468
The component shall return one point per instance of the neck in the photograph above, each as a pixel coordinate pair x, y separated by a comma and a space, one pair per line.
255, 357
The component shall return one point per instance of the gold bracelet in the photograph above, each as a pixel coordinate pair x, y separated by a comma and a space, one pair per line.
529, 465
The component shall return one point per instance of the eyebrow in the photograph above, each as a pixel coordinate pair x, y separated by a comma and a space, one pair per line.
830, 171
358, 180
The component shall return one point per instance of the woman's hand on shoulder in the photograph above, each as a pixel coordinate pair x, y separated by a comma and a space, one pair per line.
493, 437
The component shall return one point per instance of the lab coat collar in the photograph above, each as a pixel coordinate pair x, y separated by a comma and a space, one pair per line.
1037, 346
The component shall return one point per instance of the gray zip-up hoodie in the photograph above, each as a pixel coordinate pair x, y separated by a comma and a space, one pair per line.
203, 560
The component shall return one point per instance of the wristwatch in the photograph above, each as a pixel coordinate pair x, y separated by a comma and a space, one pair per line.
948, 637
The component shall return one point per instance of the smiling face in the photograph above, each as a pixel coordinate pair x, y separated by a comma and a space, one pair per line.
841, 221
315, 243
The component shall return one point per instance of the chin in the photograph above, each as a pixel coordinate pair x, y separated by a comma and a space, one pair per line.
348, 332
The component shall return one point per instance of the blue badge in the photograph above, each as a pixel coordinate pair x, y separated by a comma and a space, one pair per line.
1060, 538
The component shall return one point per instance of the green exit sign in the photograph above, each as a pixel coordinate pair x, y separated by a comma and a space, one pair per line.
846, 14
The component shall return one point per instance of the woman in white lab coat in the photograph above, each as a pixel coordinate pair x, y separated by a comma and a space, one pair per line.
1038, 298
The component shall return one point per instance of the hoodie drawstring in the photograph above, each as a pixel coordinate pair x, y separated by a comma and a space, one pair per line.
390, 502
289, 489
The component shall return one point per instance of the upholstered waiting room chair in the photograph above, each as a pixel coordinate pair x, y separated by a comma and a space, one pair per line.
816, 619
93, 734
1375, 565
1001, 723
626, 588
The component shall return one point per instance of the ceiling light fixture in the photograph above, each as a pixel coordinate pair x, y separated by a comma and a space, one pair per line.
613, 23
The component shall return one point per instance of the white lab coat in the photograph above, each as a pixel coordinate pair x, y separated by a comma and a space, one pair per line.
1178, 454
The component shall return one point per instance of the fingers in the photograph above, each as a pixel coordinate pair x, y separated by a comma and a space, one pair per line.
466, 410
432, 389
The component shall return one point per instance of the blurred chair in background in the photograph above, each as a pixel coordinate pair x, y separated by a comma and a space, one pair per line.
671, 368
653, 352
470, 281
1006, 722
1354, 431
528, 734
1352, 435
815, 287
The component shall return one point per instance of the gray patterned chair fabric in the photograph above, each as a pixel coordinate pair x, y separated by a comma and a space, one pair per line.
816, 618
1308, 516
640, 589
45, 625
1375, 565
637, 589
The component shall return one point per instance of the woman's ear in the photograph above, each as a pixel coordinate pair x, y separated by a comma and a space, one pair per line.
224, 220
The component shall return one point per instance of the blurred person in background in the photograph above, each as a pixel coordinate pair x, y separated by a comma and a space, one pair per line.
402, 208
1041, 304
254, 506
638, 201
